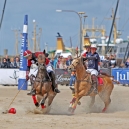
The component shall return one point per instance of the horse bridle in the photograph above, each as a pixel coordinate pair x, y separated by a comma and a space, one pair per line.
78, 81
39, 67
74, 65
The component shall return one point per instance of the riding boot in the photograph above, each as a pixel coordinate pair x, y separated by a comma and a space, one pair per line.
52, 75
94, 83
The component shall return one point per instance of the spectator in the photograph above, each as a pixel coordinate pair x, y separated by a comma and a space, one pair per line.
72, 78
4, 64
105, 63
59, 61
112, 62
55, 62
17, 61
7, 59
12, 64
69, 61
62, 64
127, 63
52, 61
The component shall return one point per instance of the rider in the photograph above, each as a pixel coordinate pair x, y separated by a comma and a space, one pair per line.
93, 61
32, 59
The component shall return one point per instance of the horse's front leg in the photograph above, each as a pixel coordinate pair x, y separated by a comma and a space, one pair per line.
51, 96
75, 91
76, 100
42, 102
35, 100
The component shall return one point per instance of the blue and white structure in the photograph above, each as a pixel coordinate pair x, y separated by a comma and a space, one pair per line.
22, 85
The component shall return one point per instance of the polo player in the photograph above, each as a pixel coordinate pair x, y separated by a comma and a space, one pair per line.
93, 60
32, 59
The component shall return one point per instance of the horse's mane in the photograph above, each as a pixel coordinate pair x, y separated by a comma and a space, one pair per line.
76, 57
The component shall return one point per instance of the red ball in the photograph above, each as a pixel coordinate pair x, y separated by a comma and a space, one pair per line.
12, 110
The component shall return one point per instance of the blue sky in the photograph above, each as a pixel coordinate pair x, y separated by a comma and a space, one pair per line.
51, 22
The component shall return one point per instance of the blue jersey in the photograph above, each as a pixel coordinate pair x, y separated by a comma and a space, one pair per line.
93, 63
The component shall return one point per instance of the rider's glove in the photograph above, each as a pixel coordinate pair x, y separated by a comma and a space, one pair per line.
36, 63
84, 59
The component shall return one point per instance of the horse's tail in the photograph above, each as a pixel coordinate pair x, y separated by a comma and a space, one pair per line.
117, 82
112, 78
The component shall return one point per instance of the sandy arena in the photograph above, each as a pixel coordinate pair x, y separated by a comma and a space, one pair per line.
117, 116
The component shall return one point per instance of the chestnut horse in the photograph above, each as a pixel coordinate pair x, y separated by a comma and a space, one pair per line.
83, 86
42, 84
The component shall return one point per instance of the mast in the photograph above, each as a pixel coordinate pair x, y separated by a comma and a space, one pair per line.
112, 26
2, 14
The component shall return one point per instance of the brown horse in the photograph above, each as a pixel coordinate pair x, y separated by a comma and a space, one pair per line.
83, 86
42, 84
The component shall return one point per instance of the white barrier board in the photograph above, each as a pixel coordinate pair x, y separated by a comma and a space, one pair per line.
11, 76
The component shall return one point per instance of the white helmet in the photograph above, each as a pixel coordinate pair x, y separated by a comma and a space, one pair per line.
94, 46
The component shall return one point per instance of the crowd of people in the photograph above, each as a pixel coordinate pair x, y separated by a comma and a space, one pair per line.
110, 61
12, 62
63, 63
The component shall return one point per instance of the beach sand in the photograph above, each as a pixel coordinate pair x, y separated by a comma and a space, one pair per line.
116, 117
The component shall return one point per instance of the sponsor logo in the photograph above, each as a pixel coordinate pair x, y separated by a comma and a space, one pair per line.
21, 54
15, 76
62, 78
122, 76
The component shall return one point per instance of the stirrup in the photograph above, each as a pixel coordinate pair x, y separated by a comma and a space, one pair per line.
56, 90
71, 88
95, 91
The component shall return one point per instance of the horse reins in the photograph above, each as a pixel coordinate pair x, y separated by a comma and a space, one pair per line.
78, 81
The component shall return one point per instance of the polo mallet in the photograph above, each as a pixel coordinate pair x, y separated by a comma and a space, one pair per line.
14, 97
77, 51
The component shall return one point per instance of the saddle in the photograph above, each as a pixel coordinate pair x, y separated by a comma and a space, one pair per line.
101, 76
100, 80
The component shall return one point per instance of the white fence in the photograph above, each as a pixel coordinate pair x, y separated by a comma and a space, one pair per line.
10, 76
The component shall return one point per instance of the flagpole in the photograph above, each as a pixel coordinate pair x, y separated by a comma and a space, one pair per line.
23, 60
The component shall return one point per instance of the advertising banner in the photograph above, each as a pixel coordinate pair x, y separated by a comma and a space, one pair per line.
62, 76
11, 76
23, 61
121, 75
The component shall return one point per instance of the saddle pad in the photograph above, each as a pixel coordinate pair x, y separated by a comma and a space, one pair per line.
100, 81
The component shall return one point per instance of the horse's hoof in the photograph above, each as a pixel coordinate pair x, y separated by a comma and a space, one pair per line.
43, 106
70, 109
104, 110
37, 104
29, 94
79, 103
